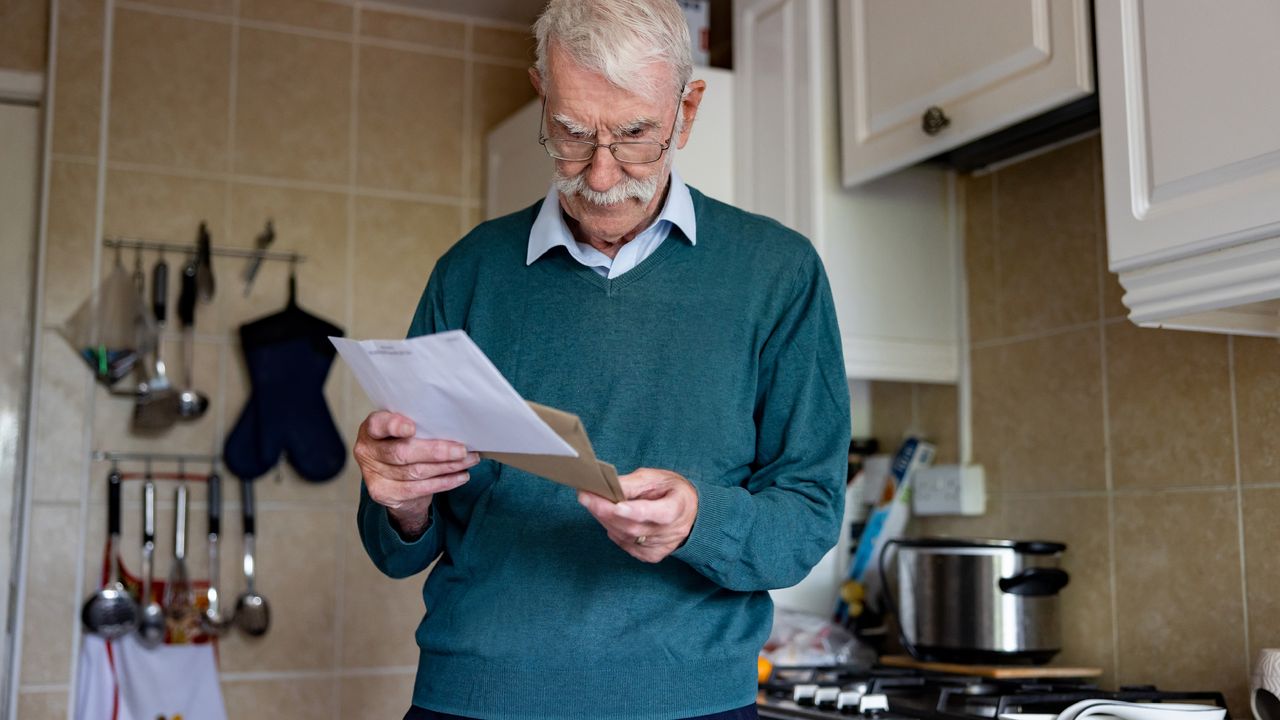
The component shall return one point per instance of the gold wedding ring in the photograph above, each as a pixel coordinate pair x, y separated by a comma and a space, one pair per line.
640, 539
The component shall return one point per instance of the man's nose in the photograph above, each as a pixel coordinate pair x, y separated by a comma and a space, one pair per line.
604, 171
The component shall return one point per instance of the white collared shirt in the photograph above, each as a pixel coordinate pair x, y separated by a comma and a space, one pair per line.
550, 230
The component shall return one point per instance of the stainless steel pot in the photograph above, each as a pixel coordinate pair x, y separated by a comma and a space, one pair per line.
978, 601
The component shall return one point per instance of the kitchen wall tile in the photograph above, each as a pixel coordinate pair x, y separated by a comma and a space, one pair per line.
1262, 566
169, 91
293, 106
70, 242
399, 242
58, 465
981, 257
991, 523
938, 417
412, 28
518, 45
42, 705
24, 32
1178, 592
1258, 408
410, 107
77, 88
497, 92
297, 553
1037, 413
376, 697
168, 209
213, 7
51, 608
312, 14
293, 699
1046, 230
379, 614
1080, 522
1181, 380
892, 413
313, 224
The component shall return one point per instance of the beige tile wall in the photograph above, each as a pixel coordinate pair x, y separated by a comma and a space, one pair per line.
358, 131
1152, 453
24, 31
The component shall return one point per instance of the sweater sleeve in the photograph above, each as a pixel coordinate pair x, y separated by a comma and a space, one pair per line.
772, 531
390, 552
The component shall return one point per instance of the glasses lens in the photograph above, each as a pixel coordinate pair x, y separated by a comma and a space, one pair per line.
637, 152
570, 149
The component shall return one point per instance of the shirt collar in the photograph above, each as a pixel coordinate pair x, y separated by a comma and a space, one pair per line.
550, 230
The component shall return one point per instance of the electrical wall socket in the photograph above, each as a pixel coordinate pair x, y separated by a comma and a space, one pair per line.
949, 490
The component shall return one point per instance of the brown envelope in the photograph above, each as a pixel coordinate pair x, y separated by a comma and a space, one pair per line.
584, 472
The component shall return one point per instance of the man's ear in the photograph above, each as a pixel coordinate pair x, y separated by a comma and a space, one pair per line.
535, 78
691, 103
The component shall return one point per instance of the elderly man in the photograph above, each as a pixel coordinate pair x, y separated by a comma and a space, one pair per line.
698, 344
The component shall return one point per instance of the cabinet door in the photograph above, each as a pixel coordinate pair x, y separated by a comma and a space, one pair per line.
920, 77
1191, 156
779, 112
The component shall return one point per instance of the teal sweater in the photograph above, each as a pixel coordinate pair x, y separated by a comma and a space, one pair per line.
720, 361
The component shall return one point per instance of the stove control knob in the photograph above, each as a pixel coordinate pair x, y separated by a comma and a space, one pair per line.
803, 694
878, 702
826, 696
849, 701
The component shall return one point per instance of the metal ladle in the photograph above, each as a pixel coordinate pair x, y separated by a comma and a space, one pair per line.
151, 628
191, 402
214, 620
253, 615
111, 612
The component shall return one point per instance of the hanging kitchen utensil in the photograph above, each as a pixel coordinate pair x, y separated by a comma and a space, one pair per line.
261, 243
191, 402
215, 619
179, 599
204, 264
288, 355
111, 612
253, 615
151, 626
157, 408
102, 330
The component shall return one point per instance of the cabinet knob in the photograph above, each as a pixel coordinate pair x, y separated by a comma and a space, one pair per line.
934, 120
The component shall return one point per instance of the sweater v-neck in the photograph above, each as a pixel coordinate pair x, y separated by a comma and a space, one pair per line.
612, 285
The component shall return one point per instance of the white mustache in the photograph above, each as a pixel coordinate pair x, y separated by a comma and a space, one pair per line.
627, 189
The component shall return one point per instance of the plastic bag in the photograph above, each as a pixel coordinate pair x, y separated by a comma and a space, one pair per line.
800, 638
112, 330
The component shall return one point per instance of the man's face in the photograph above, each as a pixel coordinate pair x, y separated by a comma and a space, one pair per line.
582, 105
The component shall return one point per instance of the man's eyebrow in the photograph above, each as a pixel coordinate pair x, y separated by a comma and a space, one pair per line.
573, 126
640, 123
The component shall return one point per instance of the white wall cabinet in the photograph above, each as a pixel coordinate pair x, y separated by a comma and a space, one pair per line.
1191, 161
920, 77
891, 246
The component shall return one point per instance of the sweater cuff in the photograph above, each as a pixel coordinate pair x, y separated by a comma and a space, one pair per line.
716, 538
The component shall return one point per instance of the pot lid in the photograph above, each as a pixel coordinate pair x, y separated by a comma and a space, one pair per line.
1026, 547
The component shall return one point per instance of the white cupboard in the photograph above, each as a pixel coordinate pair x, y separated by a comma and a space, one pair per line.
921, 77
1191, 160
891, 246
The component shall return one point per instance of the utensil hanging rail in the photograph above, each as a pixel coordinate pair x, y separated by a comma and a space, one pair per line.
113, 241
156, 457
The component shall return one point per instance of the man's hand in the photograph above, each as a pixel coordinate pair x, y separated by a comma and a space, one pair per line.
402, 472
655, 518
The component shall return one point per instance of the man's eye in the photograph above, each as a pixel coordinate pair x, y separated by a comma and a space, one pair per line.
634, 132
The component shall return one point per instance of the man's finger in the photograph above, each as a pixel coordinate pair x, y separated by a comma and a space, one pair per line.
401, 491
658, 512
645, 483
411, 451
383, 424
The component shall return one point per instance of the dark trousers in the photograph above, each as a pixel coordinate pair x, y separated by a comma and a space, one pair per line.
742, 713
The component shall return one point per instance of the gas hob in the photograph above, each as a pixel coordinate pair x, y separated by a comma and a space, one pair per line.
823, 693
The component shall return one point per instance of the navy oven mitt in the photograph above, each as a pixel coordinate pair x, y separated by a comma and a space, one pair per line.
288, 355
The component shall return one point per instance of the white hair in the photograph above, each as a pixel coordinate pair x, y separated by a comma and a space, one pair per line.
616, 38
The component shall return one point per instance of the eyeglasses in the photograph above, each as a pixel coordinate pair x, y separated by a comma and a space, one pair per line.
631, 152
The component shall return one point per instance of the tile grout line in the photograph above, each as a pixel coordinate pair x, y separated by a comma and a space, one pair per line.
468, 97
353, 159
1041, 334
995, 256
397, 9
1235, 444
86, 428
1107, 458
227, 339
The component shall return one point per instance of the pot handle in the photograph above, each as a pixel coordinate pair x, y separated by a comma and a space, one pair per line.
1036, 581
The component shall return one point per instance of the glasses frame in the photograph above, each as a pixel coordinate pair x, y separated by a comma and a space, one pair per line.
543, 140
